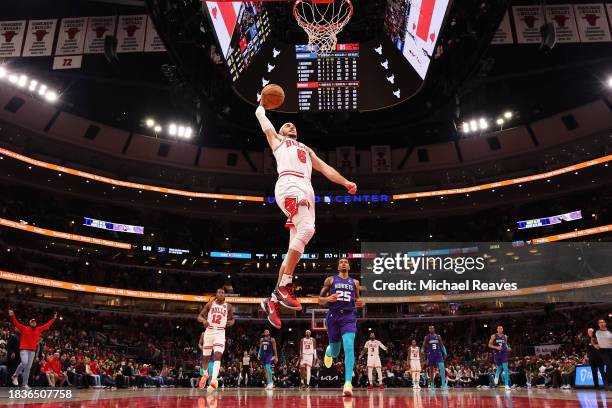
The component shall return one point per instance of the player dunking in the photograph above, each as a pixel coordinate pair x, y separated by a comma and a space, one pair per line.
215, 316
414, 362
435, 356
372, 347
295, 197
341, 292
267, 355
499, 344
308, 357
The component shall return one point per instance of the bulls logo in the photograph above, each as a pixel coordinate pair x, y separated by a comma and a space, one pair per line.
100, 30
591, 19
560, 20
8, 35
72, 32
131, 29
301, 155
40, 34
530, 21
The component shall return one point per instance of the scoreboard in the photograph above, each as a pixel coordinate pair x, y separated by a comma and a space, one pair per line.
327, 81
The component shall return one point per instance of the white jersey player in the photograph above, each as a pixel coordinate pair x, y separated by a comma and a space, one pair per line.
215, 316
414, 362
295, 197
372, 348
308, 357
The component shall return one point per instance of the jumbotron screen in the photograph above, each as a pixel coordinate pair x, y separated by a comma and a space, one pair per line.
414, 27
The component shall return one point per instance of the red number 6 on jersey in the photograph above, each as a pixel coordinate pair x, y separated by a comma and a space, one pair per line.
301, 155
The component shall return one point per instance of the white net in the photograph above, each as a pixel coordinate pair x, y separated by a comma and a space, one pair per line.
322, 20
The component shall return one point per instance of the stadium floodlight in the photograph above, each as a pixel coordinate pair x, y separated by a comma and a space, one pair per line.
172, 129
508, 114
51, 96
157, 128
188, 132
465, 127
13, 78
42, 89
150, 122
473, 125
483, 123
22, 81
499, 121
610, 81
181, 131
33, 84
3, 72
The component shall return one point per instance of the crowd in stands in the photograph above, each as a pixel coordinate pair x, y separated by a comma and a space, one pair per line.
88, 348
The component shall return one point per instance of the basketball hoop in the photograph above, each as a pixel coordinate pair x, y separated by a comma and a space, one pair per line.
322, 20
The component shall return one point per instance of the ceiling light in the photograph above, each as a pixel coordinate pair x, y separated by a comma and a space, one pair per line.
150, 122
42, 90
499, 121
157, 128
33, 84
508, 115
609, 80
13, 78
473, 125
483, 123
188, 132
465, 127
22, 81
181, 131
172, 129
51, 96
3, 72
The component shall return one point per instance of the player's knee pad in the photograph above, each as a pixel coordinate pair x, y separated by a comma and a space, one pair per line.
303, 234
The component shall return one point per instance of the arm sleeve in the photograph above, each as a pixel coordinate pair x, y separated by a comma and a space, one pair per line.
265, 123
18, 325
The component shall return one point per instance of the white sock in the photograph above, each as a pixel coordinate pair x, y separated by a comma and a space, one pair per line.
370, 375
379, 371
286, 279
307, 375
216, 367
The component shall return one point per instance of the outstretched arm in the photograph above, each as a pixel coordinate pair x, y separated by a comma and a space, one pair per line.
18, 325
49, 323
274, 140
330, 173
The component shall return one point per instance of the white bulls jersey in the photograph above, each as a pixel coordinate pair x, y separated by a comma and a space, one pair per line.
415, 353
293, 159
217, 316
373, 346
307, 346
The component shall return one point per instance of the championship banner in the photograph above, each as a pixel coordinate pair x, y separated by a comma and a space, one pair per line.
12, 33
381, 159
39, 39
97, 30
269, 162
346, 159
527, 22
562, 16
71, 36
131, 33
592, 23
545, 349
153, 42
503, 35
67, 62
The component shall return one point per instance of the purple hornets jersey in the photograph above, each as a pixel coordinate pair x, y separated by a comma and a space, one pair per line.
433, 345
345, 288
500, 356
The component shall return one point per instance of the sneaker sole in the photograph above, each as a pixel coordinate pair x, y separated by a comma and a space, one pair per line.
263, 307
297, 308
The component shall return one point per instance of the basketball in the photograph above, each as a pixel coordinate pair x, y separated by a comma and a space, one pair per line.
272, 96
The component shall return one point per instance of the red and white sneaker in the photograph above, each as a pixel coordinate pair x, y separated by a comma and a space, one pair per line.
270, 308
381, 387
371, 387
286, 298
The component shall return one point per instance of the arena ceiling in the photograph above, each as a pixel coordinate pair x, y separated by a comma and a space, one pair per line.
471, 79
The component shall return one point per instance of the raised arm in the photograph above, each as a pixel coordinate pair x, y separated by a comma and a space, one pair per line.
204, 314
274, 140
49, 323
330, 173
18, 325
324, 297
